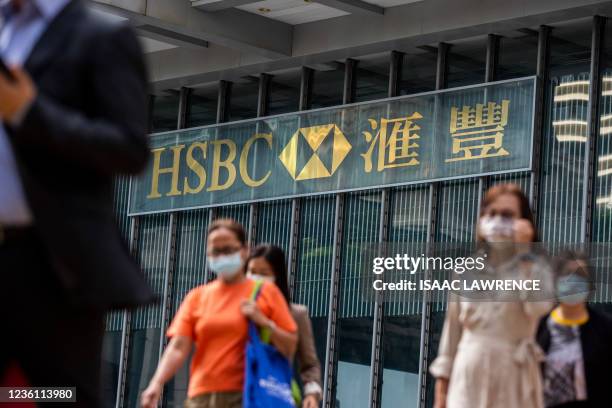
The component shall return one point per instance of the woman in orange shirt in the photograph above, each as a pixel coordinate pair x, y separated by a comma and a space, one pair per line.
213, 317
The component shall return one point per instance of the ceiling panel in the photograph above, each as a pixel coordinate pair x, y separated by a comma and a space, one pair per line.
390, 3
150, 45
292, 11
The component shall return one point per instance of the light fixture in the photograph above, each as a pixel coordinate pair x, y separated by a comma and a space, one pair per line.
264, 10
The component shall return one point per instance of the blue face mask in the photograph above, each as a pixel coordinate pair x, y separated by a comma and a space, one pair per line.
573, 289
226, 266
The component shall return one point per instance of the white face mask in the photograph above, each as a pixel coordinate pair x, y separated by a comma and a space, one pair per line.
573, 289
497, 229
262, 278
226, 266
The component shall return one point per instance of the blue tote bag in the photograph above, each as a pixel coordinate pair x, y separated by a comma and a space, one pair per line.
267, 382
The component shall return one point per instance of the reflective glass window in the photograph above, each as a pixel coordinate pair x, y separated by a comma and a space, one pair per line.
164, 112
518, 54
314, 264
189, 272
202, 105
355, 324
244, 96
402, 321
602, 220
467, 62
145, 325
418, 72
285, 92
372, 77
111, 356
327, 85
563, 148
274, 224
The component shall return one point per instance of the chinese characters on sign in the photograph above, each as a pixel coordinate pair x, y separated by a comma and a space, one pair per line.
478, 132
448, 134
397, 141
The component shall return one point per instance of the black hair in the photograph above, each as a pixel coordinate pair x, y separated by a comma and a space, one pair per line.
276, 258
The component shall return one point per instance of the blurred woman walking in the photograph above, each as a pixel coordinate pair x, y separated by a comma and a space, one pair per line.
488, 356
214, 318
267, 262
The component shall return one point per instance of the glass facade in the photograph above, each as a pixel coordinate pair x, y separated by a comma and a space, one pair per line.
370, 354
113, 336
361, 221
372, 80
563, 148
164, 111
518, 54
467, 62
146, 329
328, 85
312, 280
418, 72
602, 225
401, 334
202, 106
284, 92
243, 98
189, 272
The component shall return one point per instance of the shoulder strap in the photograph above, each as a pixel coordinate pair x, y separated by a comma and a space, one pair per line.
264, 332
256, 290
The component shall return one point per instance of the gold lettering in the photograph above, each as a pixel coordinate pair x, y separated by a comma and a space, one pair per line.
196, 167
477, 132
227, 164
244, 173
397, 140
174, 170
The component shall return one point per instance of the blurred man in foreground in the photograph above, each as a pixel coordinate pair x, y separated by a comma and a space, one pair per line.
72, 115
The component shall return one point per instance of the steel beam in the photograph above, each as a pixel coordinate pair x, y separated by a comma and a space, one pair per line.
350, 70
376, 362
539, 124
127, 320
354, 6
263, 100
216, 5
590, 162
225, 89
334, 298
395, 73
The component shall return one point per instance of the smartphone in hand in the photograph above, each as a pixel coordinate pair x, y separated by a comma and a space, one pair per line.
4, 70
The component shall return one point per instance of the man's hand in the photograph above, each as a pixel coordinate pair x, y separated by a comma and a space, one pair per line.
16, 95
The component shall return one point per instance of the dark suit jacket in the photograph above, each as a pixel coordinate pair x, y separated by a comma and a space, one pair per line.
88, 122
596, 340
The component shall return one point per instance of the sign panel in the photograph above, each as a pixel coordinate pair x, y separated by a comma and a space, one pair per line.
456, 133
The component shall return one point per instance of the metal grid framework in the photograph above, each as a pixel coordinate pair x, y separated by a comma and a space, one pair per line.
323, 236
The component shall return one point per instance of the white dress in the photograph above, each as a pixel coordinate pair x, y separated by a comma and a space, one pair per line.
489, 354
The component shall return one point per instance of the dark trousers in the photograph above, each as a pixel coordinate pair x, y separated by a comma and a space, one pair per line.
55, 343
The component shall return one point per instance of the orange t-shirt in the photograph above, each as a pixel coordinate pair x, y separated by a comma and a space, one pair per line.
210, 315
